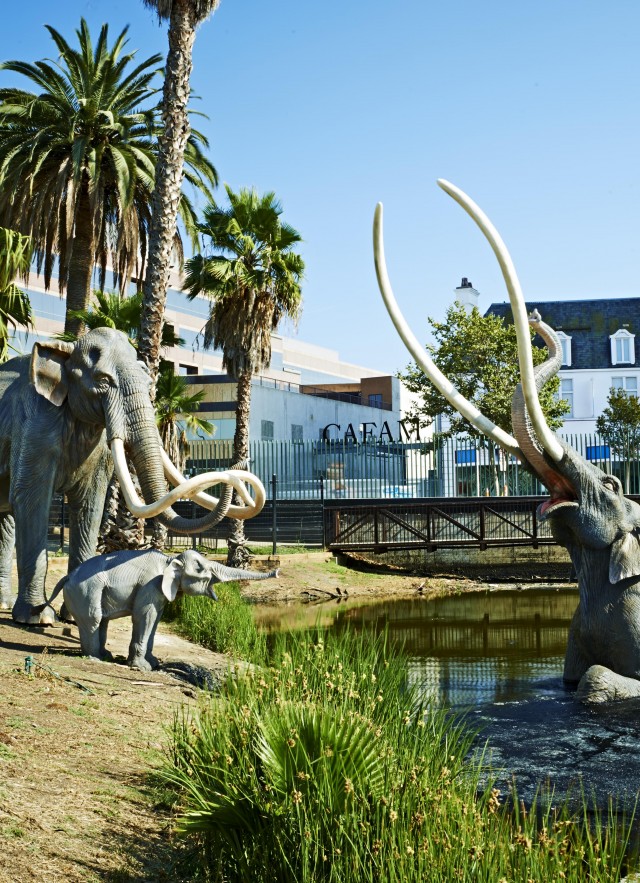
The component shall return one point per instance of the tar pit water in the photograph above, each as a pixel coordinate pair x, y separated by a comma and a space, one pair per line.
498, 656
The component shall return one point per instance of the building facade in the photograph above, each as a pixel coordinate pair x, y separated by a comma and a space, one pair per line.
598, 352
308, 393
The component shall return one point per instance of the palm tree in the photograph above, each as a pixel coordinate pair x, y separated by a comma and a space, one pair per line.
253, 279
110, 309
183, 16
78, 158
15, 307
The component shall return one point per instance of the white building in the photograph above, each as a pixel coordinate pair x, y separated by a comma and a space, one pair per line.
598, 352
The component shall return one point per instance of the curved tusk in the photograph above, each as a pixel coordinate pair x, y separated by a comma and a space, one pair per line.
442, 384
236, 477
186, 488
546, 437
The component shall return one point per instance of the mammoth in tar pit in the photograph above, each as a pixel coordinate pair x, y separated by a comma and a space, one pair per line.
587, 510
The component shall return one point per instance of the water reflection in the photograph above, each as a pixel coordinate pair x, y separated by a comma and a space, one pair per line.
472, 648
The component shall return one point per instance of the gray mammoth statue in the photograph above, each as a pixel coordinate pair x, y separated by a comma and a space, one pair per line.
137, 584
68, 414
587, 510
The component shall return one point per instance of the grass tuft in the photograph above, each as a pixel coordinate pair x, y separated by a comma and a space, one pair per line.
226, 625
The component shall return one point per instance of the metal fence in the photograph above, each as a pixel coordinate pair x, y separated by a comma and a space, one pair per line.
342, 469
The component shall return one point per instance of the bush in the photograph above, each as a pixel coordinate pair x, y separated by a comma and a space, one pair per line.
226, 626
325, 766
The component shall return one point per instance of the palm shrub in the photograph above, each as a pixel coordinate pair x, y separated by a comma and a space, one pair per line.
326, 766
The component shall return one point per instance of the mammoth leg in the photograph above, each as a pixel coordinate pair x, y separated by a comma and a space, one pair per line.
576, 662
145, 616
86, 504
31, 504
7, 543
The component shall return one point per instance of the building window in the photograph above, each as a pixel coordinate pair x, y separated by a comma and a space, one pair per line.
565, 343
267, 430
375, 400
566, 393
296, 432
626, 384
622, 348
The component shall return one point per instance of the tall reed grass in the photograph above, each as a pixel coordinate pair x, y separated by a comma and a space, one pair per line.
226, 626
325, 766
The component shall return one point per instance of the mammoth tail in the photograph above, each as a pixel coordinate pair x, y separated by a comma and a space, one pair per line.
58, 588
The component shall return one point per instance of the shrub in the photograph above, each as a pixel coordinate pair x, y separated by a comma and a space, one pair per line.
325, 766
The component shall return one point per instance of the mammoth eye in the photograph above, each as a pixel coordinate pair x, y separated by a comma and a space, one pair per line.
612, 484
103, 380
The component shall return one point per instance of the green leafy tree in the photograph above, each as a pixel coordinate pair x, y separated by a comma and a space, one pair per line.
253, 278
15, 307
619, 427
479, 355
78, 159
183, 16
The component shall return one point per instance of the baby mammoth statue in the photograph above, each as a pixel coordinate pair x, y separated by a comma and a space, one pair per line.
137, 584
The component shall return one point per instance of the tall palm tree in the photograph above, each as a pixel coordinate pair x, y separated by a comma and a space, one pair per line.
78, 158
253, 279
15, 307
183, 17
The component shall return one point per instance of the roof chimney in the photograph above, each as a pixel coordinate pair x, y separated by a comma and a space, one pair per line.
466, 295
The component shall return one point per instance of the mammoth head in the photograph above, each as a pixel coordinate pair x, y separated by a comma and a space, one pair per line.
101, 382
586, 507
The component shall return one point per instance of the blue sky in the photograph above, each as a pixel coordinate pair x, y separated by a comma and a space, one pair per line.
532, 108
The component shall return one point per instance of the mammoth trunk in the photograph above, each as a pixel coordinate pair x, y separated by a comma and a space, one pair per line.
142, 443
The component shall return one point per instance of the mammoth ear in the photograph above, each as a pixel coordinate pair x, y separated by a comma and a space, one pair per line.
171, 579
47, 369
625, 557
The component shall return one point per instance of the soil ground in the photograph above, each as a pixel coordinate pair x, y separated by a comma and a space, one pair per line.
78, 739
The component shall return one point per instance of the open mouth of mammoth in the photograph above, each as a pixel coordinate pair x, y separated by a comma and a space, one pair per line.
553, 504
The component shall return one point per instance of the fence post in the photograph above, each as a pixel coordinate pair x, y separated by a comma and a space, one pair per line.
324, 526
62, 525
274, 517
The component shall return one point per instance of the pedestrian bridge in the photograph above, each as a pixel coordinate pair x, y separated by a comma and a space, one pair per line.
434, 523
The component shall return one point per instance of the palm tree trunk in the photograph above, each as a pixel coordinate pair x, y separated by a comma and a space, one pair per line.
168, 182
237, 553
81, 263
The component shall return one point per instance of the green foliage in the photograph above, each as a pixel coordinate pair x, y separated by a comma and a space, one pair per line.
326, 766
226, 626
619, 426
253, 278
110, 309
15, 306
88, 136
479, 355
619, 423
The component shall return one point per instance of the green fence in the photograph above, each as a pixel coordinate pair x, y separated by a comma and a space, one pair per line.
343, 469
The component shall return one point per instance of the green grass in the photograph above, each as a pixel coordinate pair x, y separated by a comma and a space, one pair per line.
226, 626
325, 766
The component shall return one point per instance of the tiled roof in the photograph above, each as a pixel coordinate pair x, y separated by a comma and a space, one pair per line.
589, 324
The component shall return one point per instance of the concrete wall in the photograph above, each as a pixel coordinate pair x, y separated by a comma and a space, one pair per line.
515, 563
